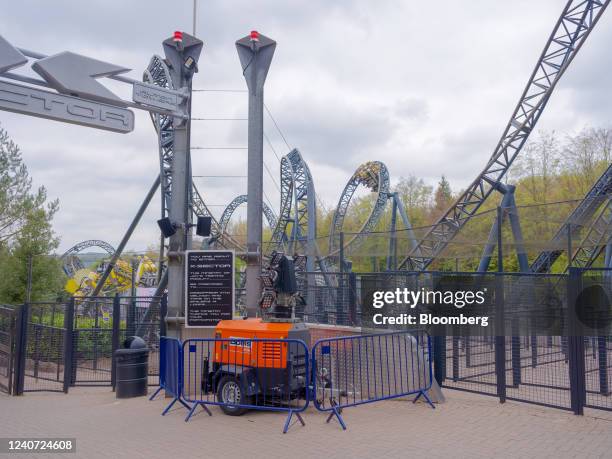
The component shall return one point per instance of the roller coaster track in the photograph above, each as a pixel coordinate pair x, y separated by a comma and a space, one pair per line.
237, 202
297, 191
218, 236
576, 22
582, 213
71, 262
157, 73
597, 237
373, 175
296, 187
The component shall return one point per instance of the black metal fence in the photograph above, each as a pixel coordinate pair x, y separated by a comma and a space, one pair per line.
330, 298
53, 346
568, 371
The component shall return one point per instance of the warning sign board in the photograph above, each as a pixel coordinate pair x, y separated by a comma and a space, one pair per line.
209, 287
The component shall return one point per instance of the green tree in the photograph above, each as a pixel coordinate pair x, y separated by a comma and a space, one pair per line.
25, 231
443, 198
417, 198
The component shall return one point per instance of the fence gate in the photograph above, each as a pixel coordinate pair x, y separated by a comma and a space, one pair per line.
8, 324
92, 341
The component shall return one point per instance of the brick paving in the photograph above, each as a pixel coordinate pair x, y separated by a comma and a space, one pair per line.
467, 425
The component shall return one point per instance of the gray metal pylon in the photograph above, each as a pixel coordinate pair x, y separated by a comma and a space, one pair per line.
255, 52
398, 207
182, 52
508, 206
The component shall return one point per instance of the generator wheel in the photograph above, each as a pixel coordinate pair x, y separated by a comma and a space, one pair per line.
228, 392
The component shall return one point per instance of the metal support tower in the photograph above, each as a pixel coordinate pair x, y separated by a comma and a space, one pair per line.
182, 57
398, 207
255, 52
158, 73
508, 207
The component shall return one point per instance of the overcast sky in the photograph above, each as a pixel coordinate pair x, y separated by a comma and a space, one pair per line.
426, 87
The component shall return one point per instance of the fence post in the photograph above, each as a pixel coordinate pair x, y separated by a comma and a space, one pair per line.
516, 354
602, 351
500, 338
131, 318
455, 355
341, 283
115, 337
341, 253
12, 350
36, 353
163, 312
96, 334
534, 351
73, 363
68, 343
500, 341
352, 299
21, 348
575, 344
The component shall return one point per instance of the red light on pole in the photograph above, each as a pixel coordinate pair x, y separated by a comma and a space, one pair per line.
254, 35
178, 36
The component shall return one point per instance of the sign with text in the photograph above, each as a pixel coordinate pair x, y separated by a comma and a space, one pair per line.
209, 287
25, 100
155, 96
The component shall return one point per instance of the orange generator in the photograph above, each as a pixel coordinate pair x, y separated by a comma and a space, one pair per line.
251, 365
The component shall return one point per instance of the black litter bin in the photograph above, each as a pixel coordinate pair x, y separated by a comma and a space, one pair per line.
132, 368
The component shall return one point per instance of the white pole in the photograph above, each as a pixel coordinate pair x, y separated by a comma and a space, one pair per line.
195, 11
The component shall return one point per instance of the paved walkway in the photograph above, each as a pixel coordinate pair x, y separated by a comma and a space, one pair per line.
465, 426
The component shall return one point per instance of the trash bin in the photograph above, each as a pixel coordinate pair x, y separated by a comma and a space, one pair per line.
132, 368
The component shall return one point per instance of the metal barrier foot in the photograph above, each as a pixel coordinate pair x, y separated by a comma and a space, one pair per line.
174, 400
336, 412
424, 394
297, 415
155, 393
193, 408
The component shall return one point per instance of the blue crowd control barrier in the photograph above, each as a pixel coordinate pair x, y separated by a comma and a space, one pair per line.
239, 374
170, 371
354, 370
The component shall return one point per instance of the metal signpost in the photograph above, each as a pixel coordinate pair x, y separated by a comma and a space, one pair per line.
255, 52
209, 287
